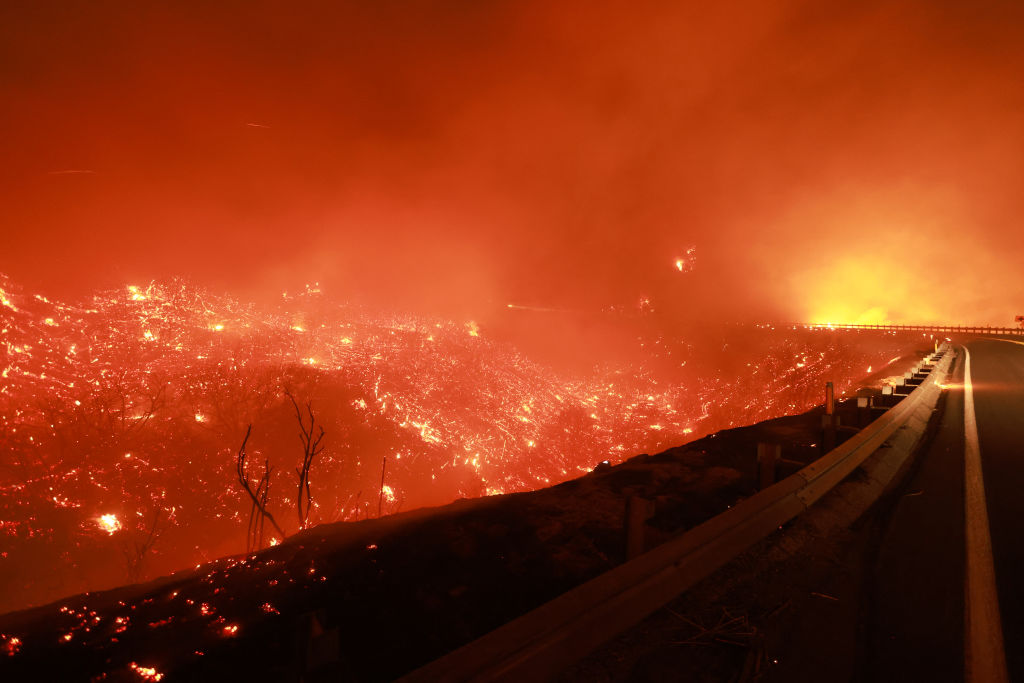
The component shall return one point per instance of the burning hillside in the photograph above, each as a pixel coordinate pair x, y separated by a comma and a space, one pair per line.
121, 415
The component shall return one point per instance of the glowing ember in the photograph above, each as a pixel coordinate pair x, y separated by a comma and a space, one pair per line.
12, 645
458, 413
7, 302
230, 630
688, 261
109, 523
146, 673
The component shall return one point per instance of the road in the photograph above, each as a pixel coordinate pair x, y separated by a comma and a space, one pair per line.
928, 564
906, 594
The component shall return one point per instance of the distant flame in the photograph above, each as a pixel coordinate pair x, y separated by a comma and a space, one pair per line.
146, 673
12, 646
7, 302
109, 523
688, 261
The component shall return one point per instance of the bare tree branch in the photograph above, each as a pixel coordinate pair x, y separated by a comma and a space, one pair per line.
258, 513
310, 439
135, 550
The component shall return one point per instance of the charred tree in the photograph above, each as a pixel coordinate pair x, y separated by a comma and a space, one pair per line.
311, 447
258, 512
139, 545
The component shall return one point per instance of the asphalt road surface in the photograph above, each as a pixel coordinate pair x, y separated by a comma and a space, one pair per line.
998, 378
922, 624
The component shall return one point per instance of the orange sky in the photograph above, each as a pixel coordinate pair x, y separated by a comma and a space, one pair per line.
830, 161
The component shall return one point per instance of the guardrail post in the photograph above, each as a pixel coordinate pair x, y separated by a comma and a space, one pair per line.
638, 511
768, 456
863, 411
829, 419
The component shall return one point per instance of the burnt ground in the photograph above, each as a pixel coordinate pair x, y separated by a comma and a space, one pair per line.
371, 600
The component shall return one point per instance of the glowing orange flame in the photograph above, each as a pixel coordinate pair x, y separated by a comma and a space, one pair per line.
146, 673
109, 523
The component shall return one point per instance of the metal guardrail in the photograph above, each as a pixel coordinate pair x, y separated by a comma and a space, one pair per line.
545, 640
952, 329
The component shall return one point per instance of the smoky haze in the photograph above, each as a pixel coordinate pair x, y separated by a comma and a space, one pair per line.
843, 162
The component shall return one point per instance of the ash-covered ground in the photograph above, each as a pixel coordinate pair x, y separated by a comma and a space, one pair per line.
373, 599
121, 414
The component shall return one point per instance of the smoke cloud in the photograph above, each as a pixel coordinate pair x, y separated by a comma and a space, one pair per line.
855, 161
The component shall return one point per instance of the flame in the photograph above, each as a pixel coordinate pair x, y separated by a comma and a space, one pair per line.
437, 396
146, 673
109, 523
6, 301
12, 646
687, 263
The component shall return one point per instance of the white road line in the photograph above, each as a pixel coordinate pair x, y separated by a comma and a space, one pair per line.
985, 659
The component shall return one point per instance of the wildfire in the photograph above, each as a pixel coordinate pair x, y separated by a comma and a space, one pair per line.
109, 523
146, 673
12, 646
687, 262
458, 413
7, 302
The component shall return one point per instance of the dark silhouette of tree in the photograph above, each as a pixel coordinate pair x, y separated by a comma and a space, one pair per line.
310, 439
138, 545
258, 513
